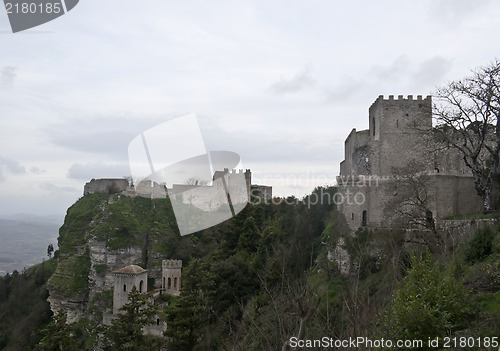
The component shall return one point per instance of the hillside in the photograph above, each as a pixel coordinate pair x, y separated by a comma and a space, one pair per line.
267, 275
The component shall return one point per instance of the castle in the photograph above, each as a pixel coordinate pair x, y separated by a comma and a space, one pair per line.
131, 276
400, 144
228, 187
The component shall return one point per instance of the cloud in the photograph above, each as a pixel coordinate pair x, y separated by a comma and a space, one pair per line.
394, 72
7, 76
106, 135
37, 171
9, 166
89, 171
456, 10
302, 80
56, 188
431, 72
400, 75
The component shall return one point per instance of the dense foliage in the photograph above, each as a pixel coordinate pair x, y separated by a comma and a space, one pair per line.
258, 279
23, 306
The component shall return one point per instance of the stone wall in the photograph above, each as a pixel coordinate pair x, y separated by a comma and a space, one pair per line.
400, 140
106, 186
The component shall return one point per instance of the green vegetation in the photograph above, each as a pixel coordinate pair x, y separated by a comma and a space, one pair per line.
429, 303
126, 333
260, 278
71, 276
23, 306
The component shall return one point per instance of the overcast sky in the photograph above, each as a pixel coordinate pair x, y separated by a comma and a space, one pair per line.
281, 83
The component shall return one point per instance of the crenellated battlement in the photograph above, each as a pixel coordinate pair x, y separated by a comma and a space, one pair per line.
171, 264
402, 98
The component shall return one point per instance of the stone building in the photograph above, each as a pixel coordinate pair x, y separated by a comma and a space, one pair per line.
399, 142
124, 280
106, 186
128, 277
231, 188
171, 277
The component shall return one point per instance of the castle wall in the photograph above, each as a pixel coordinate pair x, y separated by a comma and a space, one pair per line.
399, 142
356, 153
106, 186
261, 192
455, 195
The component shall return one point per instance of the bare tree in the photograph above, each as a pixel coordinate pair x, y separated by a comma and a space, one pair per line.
466, 118
412, 202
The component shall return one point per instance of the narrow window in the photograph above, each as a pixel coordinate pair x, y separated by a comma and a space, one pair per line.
175, 283
397, 123
140, 285
163, 282
363, 219
157, 321
169, 283
373, 122
352, 216
124, 287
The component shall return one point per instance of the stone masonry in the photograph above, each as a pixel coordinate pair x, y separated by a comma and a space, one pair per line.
400, 138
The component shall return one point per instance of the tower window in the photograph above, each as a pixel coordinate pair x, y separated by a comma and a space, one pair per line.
169, 280
141, 285
124, 287
363, 219
373, 122
175, 283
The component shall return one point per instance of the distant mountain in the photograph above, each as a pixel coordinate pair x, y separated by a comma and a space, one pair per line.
24, 239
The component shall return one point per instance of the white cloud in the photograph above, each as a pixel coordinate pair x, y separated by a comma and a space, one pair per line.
10, 167
96, 170
72, 99
300, 81
50, 187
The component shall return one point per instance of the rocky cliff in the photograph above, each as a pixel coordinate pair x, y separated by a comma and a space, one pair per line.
103, 233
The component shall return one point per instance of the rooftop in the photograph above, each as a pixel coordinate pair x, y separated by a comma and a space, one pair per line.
132, 269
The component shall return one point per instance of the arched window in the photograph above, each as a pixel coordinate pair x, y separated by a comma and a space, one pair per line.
124, 287
363, 219
175, 283
141, 284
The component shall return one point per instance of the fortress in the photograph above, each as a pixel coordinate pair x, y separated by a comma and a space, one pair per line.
232, 186
399, 145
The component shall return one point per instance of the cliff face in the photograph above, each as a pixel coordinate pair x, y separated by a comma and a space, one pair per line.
101, 234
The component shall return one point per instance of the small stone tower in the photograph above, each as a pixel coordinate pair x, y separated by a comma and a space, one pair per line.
171, 277
124, 280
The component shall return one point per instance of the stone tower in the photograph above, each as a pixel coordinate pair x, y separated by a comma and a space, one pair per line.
399, 140
124, 280
398, 132
171, 277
